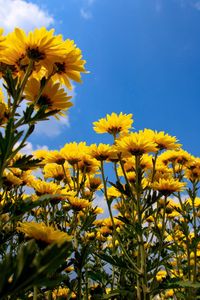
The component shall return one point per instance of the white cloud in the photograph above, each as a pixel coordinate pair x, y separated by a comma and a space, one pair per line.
158, 6
29, 148
189, 3
197, 5
90, 2
52, 127
23, 14
86, 14
85, 10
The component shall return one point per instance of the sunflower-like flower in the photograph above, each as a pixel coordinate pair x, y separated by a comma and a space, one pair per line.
43, 187
74, 152
56, 171
11, 180
53, 96
114, 124
78, 203
88, 165
168, 186
70, 66
39, 46
25, 177
100, 152
136, 143
40, 153
93, 183
108, 222
172, 156
113, 193
193, 169
41, 232
162, 139
54, 156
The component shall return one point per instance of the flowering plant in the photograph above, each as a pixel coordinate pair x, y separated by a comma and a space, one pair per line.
56, 241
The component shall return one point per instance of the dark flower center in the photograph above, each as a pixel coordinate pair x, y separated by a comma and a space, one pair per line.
44, 100
35, 54
60, 67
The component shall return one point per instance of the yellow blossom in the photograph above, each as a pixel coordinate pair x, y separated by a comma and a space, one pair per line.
41, 232
168, 186
114, 124
136, 144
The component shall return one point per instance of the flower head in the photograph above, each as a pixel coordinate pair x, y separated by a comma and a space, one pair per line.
168, 186
39, 46
53, 96
41, 232
162, 139
136, 143
70, 66
114, 124
74, 152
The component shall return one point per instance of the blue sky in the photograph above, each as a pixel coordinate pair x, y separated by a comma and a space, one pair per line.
143, 57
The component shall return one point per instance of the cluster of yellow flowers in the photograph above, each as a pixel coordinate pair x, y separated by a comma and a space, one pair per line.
41, 54
155, 237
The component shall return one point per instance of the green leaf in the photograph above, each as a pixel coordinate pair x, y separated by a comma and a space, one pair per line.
31, 267
26, 162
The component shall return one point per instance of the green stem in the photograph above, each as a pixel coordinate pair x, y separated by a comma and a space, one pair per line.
35, 293
113, 223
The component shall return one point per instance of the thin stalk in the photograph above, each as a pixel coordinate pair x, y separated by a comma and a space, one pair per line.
35, 293
113, 223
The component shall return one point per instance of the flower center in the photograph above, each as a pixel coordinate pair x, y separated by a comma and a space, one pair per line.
35, 54
44, 100
60, 67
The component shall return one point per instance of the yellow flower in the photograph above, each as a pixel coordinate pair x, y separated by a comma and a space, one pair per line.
53, 96
136, 144
88, 165
70, 65
74, 152
193, 169
196, 202
25, 176
169, 293
63, 293
100, 152
77, 203
150, 219
41, 232
40, 46
173, 156
54, 156
56, 171
114, 124
161, 171
162, 140
108, 222
113, 193
94, 183
98, 210
2, 40
4, 113
40, 153
161, 275
11, 180
43, 187
168, 186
